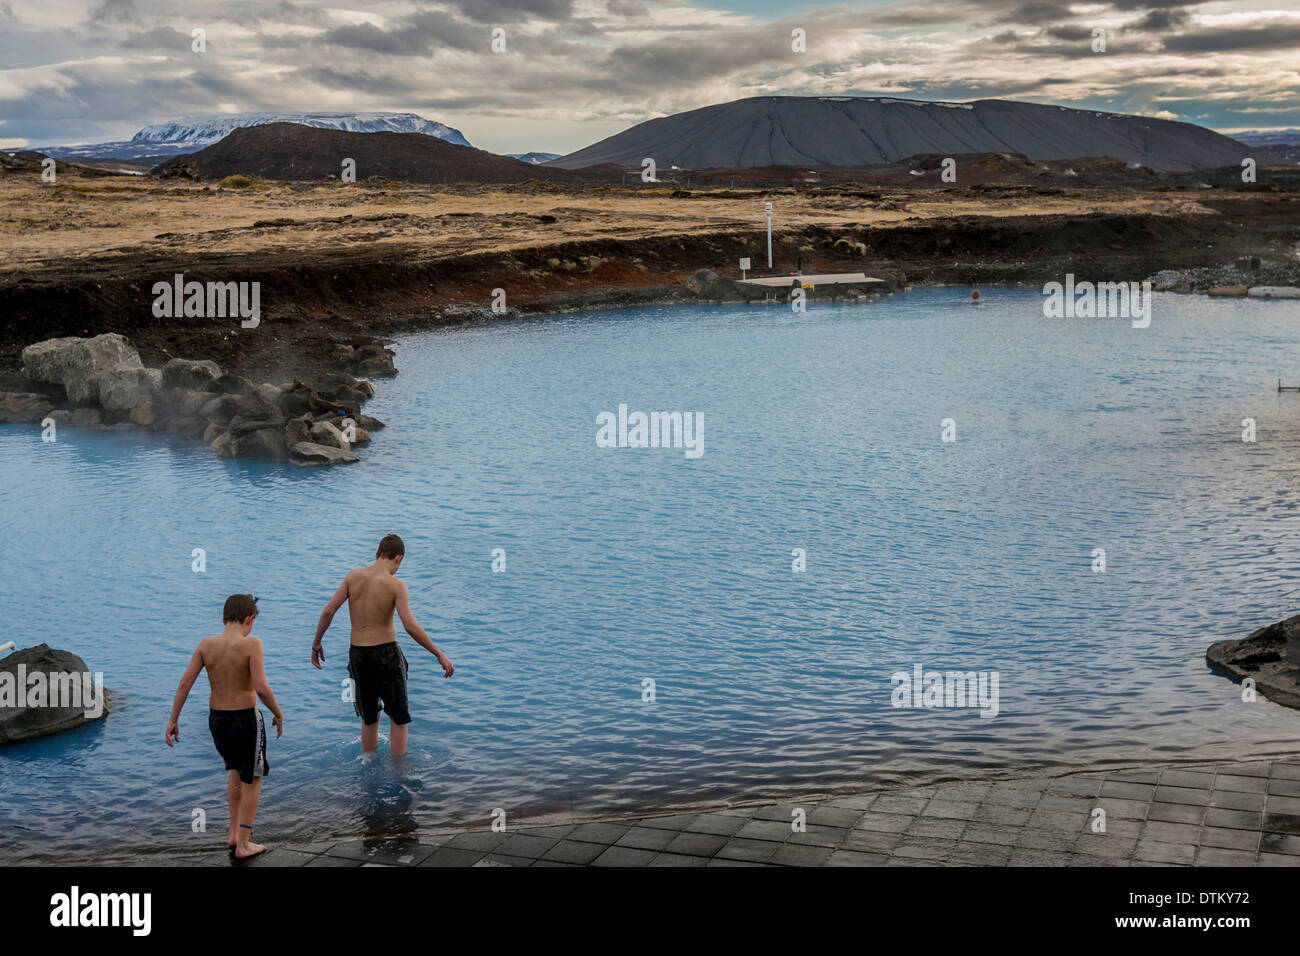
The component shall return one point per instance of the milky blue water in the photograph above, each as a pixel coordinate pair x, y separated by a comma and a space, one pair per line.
821, 432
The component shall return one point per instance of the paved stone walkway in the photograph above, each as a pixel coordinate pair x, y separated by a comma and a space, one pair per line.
1226, 814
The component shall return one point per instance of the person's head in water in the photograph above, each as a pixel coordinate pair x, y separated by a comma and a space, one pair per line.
240, 609
391, 551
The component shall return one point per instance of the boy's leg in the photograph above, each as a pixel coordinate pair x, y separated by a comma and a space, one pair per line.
370, 737
250, 793
233, 794
397, 737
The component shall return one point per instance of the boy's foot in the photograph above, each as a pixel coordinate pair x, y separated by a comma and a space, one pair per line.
248, 851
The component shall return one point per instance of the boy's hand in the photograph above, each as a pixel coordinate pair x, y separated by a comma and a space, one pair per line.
316, 649
447, 669
278, 721
173, 733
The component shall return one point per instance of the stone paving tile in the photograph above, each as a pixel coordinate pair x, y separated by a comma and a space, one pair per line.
1027, 856
572, 851
1281, 823
1237, 819
1186, 795
624, 856
1176, 813
483, 840
1135, 776
696, 844
1015, 797
1001, 814
722, 824
819, 836
923, 849
871, 841
1276, 859
950, 810
937, 827
333, 861
1237, 800
278, 856
886, 822
1228, 839
648, 838
1125, 790
1285, 843
834, 817
1152, 851
525, 845
1191, 779
676, 859
854, 858
765, 830
453, 856
605, 833
979, 854
500, 859
678, 821
1213, 856
1286, 771
898, 804
789, 855
1240, 784
753, 851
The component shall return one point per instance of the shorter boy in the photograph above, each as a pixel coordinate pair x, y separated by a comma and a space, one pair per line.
237, 677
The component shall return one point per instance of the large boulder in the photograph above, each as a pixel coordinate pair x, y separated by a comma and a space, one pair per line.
18, 407
325, 433
64, 677
230, 384
1270, 657
263, 443
190, 374
125, 388
298, 429
310, 455
373, 359
254, 412
79, 364
220, 410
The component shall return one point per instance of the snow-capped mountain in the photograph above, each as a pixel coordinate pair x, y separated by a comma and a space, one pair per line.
192, 133
535, 159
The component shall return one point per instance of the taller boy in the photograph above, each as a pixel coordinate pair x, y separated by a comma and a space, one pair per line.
376, 664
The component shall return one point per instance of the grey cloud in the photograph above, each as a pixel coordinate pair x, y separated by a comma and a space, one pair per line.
112, 11
1274, 36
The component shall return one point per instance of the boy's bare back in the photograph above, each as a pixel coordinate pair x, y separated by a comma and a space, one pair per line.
229, 663
373, 594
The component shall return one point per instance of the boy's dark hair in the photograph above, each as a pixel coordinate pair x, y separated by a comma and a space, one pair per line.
239, 607
390, 546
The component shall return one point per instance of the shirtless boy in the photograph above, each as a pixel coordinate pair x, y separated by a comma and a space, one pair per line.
237, 678
376, 664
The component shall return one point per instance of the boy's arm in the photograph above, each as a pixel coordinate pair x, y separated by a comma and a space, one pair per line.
258, 668
191, 674
417, 632
327, 618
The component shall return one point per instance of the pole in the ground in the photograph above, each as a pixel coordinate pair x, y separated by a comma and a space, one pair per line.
768, 209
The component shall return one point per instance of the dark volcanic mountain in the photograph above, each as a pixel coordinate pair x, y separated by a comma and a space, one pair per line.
863, 131
290, 151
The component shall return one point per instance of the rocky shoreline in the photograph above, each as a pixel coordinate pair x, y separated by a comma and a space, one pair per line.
101, 382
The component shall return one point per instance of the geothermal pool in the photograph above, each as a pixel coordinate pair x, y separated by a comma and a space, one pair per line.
648, 642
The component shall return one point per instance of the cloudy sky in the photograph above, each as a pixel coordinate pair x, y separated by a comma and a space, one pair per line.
575, 71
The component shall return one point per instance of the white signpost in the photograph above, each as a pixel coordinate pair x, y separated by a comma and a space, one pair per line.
744, 266
768, 208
